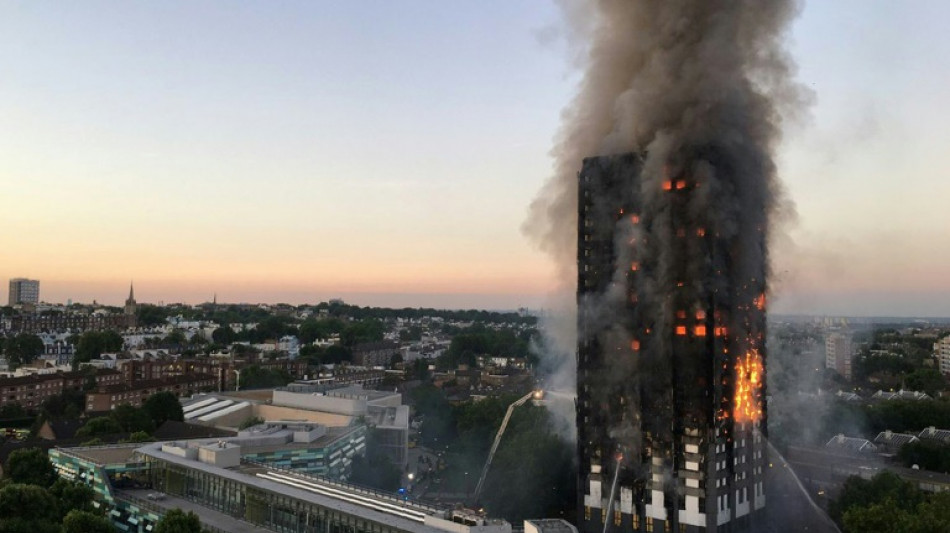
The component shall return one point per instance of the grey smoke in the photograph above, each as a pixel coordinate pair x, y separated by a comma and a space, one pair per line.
669, 79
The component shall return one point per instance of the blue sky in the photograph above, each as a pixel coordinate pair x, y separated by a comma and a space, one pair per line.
387, 152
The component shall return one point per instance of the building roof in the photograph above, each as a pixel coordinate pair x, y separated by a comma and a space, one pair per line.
932, 433
848, 396
901, 395
891, 439
850, 444
376, 507
64, 429
551, 525
108, 454
175, 430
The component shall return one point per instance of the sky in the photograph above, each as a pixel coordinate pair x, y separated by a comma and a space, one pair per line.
386, 152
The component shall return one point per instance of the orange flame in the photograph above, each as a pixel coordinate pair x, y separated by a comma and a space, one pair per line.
760, 302
749, 373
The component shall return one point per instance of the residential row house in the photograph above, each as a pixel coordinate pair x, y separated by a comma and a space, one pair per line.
109, 397
223, 371
31, 391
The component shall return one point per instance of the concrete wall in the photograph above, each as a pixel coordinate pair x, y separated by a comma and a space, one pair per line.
330, 404
276, 412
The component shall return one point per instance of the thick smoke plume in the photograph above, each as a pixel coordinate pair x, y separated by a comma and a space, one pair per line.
701, 86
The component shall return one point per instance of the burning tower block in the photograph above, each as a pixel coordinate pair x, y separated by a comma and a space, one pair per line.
670, 358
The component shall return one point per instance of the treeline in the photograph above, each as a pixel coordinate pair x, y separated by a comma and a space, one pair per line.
888, 504
137, 422
900, 416
479, 340
152, 315
33, 499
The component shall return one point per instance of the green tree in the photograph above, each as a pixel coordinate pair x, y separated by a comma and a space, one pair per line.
438, 419
374, 469
928, 380
28, 509
177, 521
256, 377
140, 436
531, 472
272, 327
412, 333
12, 410
175, 339
883, 487
224, 335
99, 426
92, 344
22, 349
163, 406
68, 404
30, 466
132, 419
884, 517
926, 454
336, 354
150, 315
311, 330
419, 369
366, 330
85, 522
251, 421
73, 496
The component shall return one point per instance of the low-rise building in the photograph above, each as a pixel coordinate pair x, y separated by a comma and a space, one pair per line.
891, 442
883, 395
371, 354
109, 397
854, 445
937, 435
31, 391
137, 484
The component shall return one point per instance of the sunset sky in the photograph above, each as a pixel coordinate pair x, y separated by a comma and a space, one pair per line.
386, 152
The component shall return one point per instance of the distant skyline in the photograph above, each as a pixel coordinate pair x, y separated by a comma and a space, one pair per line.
386, 153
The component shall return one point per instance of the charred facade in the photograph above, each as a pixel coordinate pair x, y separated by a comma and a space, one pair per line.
670, 357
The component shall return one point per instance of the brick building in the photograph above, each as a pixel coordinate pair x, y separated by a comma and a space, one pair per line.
222, 370
109, 397
31, 391
374, 353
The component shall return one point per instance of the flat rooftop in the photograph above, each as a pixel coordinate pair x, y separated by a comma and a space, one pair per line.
104, 455
256, 395
365, 504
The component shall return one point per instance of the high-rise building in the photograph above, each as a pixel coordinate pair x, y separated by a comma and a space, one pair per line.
942, 354
670, 357
838, 353
24, 291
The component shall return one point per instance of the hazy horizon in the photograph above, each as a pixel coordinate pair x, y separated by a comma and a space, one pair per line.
304, 151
